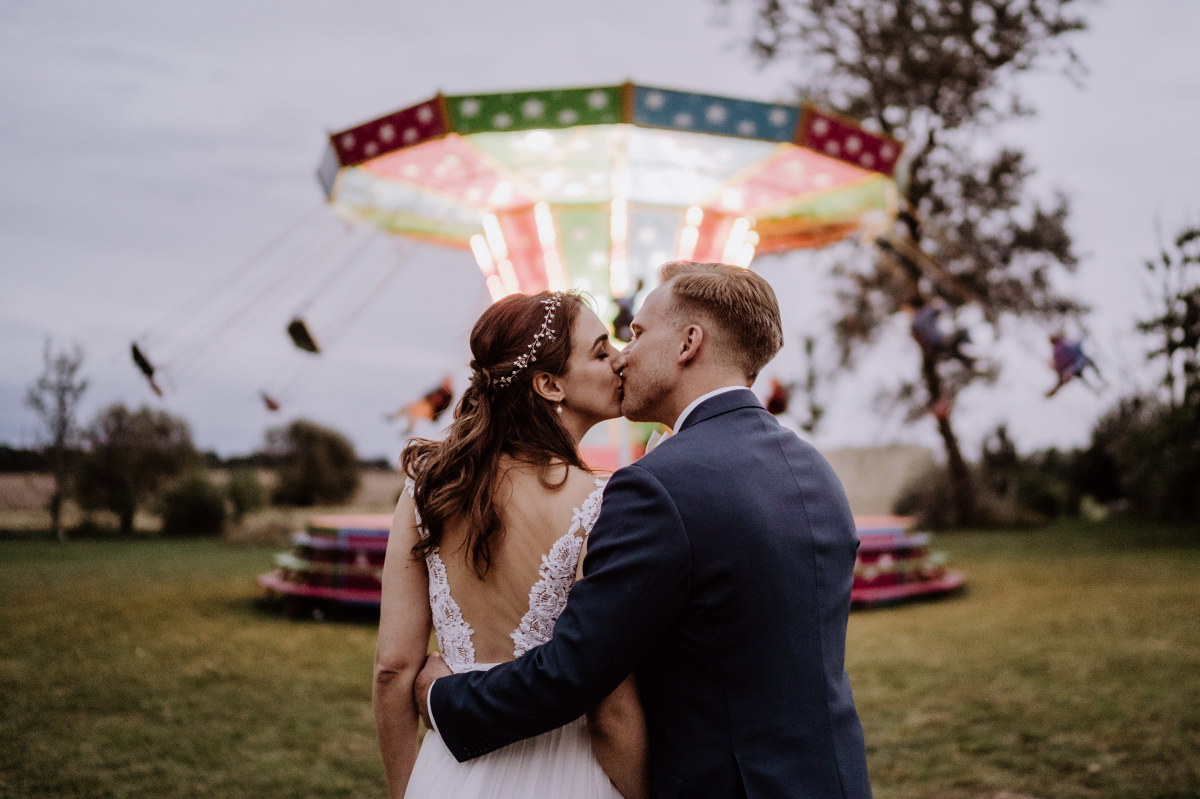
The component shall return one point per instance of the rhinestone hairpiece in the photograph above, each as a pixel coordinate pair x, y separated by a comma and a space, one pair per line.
543, 335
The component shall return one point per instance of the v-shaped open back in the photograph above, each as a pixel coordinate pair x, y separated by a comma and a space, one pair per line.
493, 601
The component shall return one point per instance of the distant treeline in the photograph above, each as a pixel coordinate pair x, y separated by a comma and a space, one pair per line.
14, 459
21, 459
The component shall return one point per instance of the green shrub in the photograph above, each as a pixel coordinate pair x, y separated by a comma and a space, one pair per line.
317, 466
1156, 449
245, 491
193, 506
930, 498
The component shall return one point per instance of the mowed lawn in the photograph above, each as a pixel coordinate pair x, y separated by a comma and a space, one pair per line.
1070, 668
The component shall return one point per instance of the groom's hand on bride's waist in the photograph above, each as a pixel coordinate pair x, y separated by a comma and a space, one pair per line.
434, 668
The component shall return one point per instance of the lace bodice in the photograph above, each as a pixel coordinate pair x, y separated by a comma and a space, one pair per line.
547, 597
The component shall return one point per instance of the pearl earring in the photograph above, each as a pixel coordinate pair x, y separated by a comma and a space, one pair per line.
558, 409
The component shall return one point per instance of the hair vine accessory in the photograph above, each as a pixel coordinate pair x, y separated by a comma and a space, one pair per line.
545, 333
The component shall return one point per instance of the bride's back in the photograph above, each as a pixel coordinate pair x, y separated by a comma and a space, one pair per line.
535, 518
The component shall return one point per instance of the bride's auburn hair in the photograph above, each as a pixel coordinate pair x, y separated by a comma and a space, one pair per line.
498, 414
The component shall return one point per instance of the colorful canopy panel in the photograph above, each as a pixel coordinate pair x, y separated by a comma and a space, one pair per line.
593, 188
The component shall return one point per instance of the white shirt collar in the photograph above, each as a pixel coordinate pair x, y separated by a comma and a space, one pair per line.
692, 406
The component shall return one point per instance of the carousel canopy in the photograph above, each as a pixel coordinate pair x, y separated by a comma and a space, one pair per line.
593, 188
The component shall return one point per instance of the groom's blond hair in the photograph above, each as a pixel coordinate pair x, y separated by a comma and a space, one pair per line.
738, 303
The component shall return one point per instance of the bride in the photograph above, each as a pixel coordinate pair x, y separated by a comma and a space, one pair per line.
486, 543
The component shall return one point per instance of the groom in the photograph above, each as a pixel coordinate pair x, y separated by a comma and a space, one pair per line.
719, 569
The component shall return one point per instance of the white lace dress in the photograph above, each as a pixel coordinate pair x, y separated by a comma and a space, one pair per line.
557, 764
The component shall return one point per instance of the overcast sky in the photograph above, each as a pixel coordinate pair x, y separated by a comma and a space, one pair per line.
148, 148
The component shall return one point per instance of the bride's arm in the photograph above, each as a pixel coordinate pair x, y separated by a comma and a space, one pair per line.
618, 730
617, 727
404, 624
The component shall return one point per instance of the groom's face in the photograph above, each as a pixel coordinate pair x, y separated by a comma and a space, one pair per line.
648, 364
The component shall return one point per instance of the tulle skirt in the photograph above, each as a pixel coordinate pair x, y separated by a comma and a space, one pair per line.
556, 765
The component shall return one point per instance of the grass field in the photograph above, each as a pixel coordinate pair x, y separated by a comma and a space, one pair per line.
1071, 668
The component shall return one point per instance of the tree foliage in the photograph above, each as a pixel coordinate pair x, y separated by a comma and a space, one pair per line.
317, 466
1175, 327
940, 75
54, 397
192, 505
246, 492
129, 456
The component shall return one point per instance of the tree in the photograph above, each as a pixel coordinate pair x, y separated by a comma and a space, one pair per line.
54, 397
317, 466
1175, 330
130, 455
1155, 440
970, 240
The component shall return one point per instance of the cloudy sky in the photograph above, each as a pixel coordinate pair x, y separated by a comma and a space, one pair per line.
148, 149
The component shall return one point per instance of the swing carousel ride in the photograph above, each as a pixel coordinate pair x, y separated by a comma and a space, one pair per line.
586, 188
592, 189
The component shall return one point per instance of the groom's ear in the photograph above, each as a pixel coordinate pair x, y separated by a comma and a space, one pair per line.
689, 346
548, 386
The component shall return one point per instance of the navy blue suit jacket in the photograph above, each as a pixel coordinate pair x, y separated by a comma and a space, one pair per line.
720, 570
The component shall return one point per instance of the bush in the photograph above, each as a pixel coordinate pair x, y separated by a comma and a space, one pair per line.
246, 492
1011, 490
1155, 447
317, 466
930, 498
193, 506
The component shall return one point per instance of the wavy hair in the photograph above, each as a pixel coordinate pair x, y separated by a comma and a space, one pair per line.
458, 476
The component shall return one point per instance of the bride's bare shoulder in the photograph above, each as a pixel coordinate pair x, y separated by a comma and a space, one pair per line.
559, 485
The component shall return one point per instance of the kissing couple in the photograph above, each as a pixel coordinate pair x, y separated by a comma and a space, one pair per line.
678, 630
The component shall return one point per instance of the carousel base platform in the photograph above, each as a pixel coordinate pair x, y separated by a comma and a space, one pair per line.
339, 559
894, 565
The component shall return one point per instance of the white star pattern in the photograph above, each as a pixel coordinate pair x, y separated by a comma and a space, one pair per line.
820, 127
747, 128
387, 132
371, 148
655, 101
424, 115
715, 114
683, 120
348, 141
778, 117
833, 148
469, 107
597, 100
867, 160
568, 116
853, 144
532, 109
502, 120
410, 135
886, 152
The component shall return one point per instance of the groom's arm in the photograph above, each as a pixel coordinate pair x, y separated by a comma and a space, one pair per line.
635, 583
